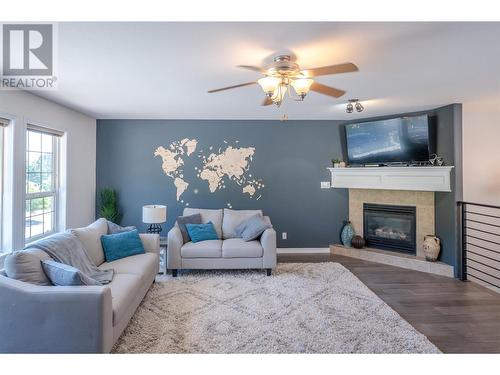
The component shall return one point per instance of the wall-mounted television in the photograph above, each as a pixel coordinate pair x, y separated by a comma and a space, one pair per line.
396, 140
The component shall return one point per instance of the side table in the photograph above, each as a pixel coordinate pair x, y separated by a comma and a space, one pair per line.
163, 254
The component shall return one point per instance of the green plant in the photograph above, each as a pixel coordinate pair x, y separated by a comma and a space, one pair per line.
336, 161
109, 205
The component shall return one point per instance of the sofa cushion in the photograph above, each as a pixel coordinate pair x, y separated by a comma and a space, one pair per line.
124, 289
121, 245
252, 228
237, 248
26, 265
115, 228
142, 265
233, 218
203, 249
91, 239
183, 220
61, 274
215, 216
201, 232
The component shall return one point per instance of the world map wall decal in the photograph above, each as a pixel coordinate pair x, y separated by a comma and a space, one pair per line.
230, 163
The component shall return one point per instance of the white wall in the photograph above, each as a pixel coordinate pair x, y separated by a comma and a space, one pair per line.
78, 155
481, 150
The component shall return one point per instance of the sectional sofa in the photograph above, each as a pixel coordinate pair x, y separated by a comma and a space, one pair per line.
77, 319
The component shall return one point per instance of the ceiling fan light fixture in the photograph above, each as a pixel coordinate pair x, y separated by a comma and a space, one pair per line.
302, 86
269, 85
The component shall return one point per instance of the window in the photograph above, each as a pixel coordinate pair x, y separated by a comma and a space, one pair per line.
3, 123
42, 183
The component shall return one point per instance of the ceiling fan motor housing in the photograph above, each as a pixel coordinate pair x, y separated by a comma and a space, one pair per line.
283, 66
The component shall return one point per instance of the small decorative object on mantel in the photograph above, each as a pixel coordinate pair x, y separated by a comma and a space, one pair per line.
336, 163
347, 234
358, 242
342, 164
436, 160
154, 215
432, 247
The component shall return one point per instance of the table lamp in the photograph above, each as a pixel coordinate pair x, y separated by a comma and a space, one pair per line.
154, 215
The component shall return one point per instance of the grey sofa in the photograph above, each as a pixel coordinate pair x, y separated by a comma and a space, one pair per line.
227, 252
77, 319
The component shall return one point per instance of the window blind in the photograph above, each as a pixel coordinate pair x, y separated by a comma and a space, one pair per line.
4, 122
43, 130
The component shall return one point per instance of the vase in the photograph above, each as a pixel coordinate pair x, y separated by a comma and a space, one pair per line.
432, 247
358, 242
347, 234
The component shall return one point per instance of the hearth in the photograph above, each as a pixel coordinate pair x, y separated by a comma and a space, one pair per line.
390, 227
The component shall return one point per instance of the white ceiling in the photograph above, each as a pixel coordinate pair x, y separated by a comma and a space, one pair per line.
163, 70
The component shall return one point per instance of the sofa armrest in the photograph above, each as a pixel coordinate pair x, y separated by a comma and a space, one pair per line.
268, 242
151, 242
175, 243
54, 319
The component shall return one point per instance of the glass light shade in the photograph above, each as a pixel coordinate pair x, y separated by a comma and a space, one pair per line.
349, 108
154, 214
279, 93
358, 107
269, 84
302, 85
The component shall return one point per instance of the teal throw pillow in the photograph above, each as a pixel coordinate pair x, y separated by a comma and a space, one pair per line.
121, 245
201, 232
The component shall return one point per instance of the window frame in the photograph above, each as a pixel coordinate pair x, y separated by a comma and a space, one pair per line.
55, 191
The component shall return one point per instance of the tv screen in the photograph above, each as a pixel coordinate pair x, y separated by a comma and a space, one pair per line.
399, 140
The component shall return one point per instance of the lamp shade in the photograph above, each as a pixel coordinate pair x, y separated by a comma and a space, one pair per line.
302, 85
269, 84
154, 214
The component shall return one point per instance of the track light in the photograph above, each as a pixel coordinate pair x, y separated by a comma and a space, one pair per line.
350, 107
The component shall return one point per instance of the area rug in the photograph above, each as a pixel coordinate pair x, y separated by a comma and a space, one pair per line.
301, 308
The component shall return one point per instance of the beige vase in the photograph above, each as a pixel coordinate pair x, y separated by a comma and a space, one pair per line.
432, 247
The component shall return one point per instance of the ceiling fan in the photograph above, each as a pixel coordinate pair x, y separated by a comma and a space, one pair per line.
283, 73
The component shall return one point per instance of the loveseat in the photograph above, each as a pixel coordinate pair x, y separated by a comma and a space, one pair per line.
77, 319
228, 251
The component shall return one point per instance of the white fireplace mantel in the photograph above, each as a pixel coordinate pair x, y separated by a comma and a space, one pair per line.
393, 178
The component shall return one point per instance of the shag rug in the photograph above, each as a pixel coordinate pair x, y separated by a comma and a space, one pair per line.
301, 308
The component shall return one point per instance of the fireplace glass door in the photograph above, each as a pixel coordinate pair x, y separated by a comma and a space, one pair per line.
390, 227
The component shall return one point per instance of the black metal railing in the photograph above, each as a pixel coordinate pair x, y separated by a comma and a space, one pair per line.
480, 240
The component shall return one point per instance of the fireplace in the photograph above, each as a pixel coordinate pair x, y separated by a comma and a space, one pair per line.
390, 227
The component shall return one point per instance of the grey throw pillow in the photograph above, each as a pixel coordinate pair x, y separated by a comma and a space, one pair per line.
65, 275
115, 228
26, 265
183, 220
253, 228
241, 226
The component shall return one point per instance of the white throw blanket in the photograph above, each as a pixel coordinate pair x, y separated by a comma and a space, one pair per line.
68, 249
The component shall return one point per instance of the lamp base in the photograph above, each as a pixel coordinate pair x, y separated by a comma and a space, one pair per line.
154, 228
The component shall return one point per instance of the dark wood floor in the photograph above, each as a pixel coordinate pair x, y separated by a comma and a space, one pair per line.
457, 317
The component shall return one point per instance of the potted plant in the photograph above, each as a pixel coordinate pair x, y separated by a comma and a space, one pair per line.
336, 163
109, 205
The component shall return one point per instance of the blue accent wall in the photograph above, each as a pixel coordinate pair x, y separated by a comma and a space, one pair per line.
290, 158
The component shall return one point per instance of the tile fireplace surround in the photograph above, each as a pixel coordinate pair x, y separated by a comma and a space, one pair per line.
422, 200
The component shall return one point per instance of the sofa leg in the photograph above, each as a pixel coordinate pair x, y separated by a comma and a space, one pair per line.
268, 271
174, 273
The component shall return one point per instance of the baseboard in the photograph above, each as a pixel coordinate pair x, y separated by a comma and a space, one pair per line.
303, 250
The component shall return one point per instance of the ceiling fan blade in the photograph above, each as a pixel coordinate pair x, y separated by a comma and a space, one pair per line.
267, 101
254, 68
327, 90
331, 69
232, 87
